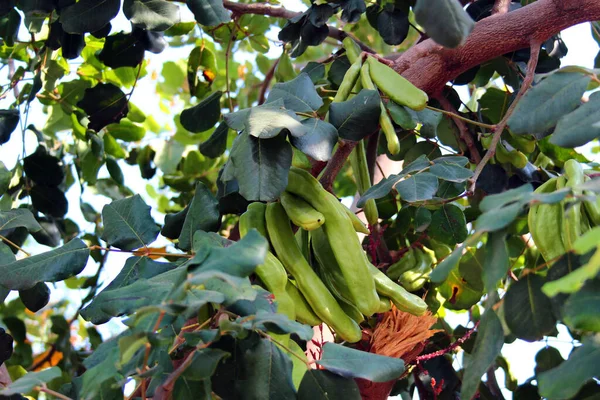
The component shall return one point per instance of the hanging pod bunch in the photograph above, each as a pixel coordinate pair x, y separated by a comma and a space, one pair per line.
555, 227
413, 269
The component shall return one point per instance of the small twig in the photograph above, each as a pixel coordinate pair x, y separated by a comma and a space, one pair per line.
455, 115
448, 349
14, 245
336, 163
51, 392
147, 354
371, 150
531, 65
266, 82
227, 56
464, 133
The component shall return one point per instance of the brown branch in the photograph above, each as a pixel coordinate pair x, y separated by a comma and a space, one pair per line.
464, 133
531, 65
266, 82
336, 163
429, 66
501, 7
280, 12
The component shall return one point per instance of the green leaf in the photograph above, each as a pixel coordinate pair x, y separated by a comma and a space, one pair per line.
463, 288
208, 12
324, 385
448, 225
418, 187
51, 266
429, 121
494, 104
401, 116
216, 143
88, 15
489, 341
588, 241
351, 363
528, 311
574, 280
546, 359
261, 166
266, 123
451, 172
443, 269
203, 115
169, 155
128, 224
135, 268
544, 104
558, 153
18, 217
581, 311
36, 297
496, 201
9, 120
237, 120
580, 126
318, 141
298, 95
564, 381
498, 218
29, 381
266, 371
204, 363
152, 15
203, 215
5, 177
105, 103
496, 260
112, 147
358, 117
274, 322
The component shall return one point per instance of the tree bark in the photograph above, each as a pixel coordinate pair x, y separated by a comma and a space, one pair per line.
429, 66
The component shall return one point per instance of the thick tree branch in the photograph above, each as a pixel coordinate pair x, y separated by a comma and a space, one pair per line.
531, 65
334, 166
280, 12
429, 66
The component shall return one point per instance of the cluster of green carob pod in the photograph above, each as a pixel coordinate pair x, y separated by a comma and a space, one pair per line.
321, 273
371, 74
555, 227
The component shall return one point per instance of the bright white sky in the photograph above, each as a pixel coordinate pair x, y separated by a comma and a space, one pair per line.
582, 51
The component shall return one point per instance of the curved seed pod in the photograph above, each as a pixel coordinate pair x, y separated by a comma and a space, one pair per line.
384, 119
356, 222
358, 161
341, 236
385, 305
304, 313
320, 299
352, 49
300, 212
545, 224
406, 263
402, 299
350, 79
400, 90
254, 218
572, 221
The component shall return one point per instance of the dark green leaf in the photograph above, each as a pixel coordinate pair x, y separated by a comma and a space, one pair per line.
9, 119
418, 187
448, 225
29, 381
261, 166
564, 381
128, 224
445, 21
356, 118
208, 12
581, 311
43, 169
351, 363
544, 104
498, 218
204, 363
324, 385
5, 177
51, 266
203, 215
528, 311
422, 219
203, 115
266, 372
152, 15
266, 123
9, 27
443, 269
496, 201
393, 26
315, 70
216, 143
105, 103
271, 321
429, 121
36, 297
18, 217
580, 126
546, 359
318, 141
451, 172
489, 341
496, 260
88, 15
401, 116
298, 95
135, 268
122, 50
